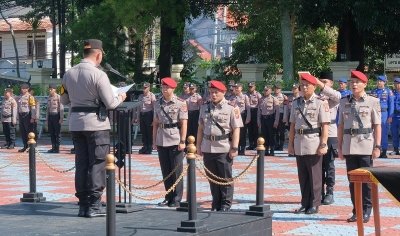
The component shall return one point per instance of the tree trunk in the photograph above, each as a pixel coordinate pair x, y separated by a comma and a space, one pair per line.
350, 43
287, 44
54, 39
164, 59
14, 42
61, 16
138, 77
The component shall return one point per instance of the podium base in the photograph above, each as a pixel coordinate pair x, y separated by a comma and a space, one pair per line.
192, 226
128, 207
32, 197
259, 210
183, 206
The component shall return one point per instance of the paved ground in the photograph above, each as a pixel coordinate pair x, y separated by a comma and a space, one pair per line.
281, 189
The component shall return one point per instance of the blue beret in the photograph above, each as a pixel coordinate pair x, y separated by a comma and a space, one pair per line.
382, 78
397, 80
342, 80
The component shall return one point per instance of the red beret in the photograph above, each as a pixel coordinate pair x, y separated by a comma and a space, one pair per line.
359, 75
218, 85
308, 77
170, 82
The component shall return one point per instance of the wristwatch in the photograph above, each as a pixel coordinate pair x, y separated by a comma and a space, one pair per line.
378, 146
322, 145
234, 149
182, 142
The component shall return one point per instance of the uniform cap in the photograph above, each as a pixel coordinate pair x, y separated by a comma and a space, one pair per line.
146, 84
93, 44
277, 86
53, 86
218, 85
8, 90
267, 87
186, 84
326, 75
252, 84
192, 85
397, 80
342, 80
308, 77
25, 86
382, 78
231, 83
295, 86
238, 85
170, 82
359, 75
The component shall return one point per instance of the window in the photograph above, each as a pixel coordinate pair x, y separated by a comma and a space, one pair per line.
1, 48
40, 48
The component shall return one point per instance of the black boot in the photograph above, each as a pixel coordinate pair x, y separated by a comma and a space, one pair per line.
56, 149
51, 150
328, 199
95, 208
396, 151
23, 149
383, 154
272, 152
149, 150
11, 146
142, 150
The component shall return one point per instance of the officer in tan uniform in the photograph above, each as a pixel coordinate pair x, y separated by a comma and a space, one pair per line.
193, 102
267, 119
26, 114
242, 101
308, 135
9, 118
218, 139
280, 130
54, 118
36, 118
359, 135
254, 97
186, 92
144, 115
325, 83
169, 134
288, 106
88, 91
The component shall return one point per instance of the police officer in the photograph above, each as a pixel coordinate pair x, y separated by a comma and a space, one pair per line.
395, 126
385, 96
144, 115
231, 90
36, 117
26, 114
359, 135
241, 100
308, 135
267, 119
186, 92
217, 123
169, 134
54, 118
9, 118
193, 102
288, 106
325, 83
343, 87
252, 128
280, 130
88, 91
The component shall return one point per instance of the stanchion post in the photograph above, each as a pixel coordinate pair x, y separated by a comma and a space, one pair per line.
193, 225
260, 209
32, 196
184, 206
111, 211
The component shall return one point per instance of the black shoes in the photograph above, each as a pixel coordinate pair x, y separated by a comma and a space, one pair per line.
72, 151
366, 218
163, 203
167, 203
328, 199
51, 150
312, 210
300, 210
225, 208
250, 148
173, 204
83, 211
5, 146
383, 154
23, 149
12, 146
353, 218
145, 150
95, 212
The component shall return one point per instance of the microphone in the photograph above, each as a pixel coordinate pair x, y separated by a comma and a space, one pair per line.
108, 67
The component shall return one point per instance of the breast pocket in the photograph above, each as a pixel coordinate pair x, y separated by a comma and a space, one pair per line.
222, 118
364, 112
312, 114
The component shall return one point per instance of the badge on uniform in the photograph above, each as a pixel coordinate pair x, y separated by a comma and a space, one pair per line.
237, 113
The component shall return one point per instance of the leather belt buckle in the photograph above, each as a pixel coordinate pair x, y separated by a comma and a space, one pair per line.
351, 131
212, 137
301, 131
162, 126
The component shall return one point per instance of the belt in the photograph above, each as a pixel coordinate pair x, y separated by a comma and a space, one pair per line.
54, 113
253, 108
384, 109
333, 122
267, 116
216, 137
145, 112
358, 131
308, 131
168, 126
85, 109
193, 111
23, 113
7, 116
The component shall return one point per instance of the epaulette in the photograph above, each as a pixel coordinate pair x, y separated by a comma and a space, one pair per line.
296, 98
373, 95
347, 96
180, 99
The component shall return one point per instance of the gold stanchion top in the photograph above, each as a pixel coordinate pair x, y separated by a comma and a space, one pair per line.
31, 138
110, 162
260, 144
191, 148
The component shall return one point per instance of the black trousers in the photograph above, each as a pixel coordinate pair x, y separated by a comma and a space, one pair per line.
193, 123
243, 131
252, 128
328, 165
91, 148
25, 126
354, 162
169, 158
280, 133
309, 168
267, 131
220, 164
54, 127
146, 128
9, 132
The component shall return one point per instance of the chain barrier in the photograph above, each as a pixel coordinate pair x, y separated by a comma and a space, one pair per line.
185, 170
226, 181
158, 183
12, 162
52, 168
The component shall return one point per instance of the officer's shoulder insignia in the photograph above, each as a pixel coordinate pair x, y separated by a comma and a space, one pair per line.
346, 97
180, 99
62, 90
237, 112
373, 95
296, 99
